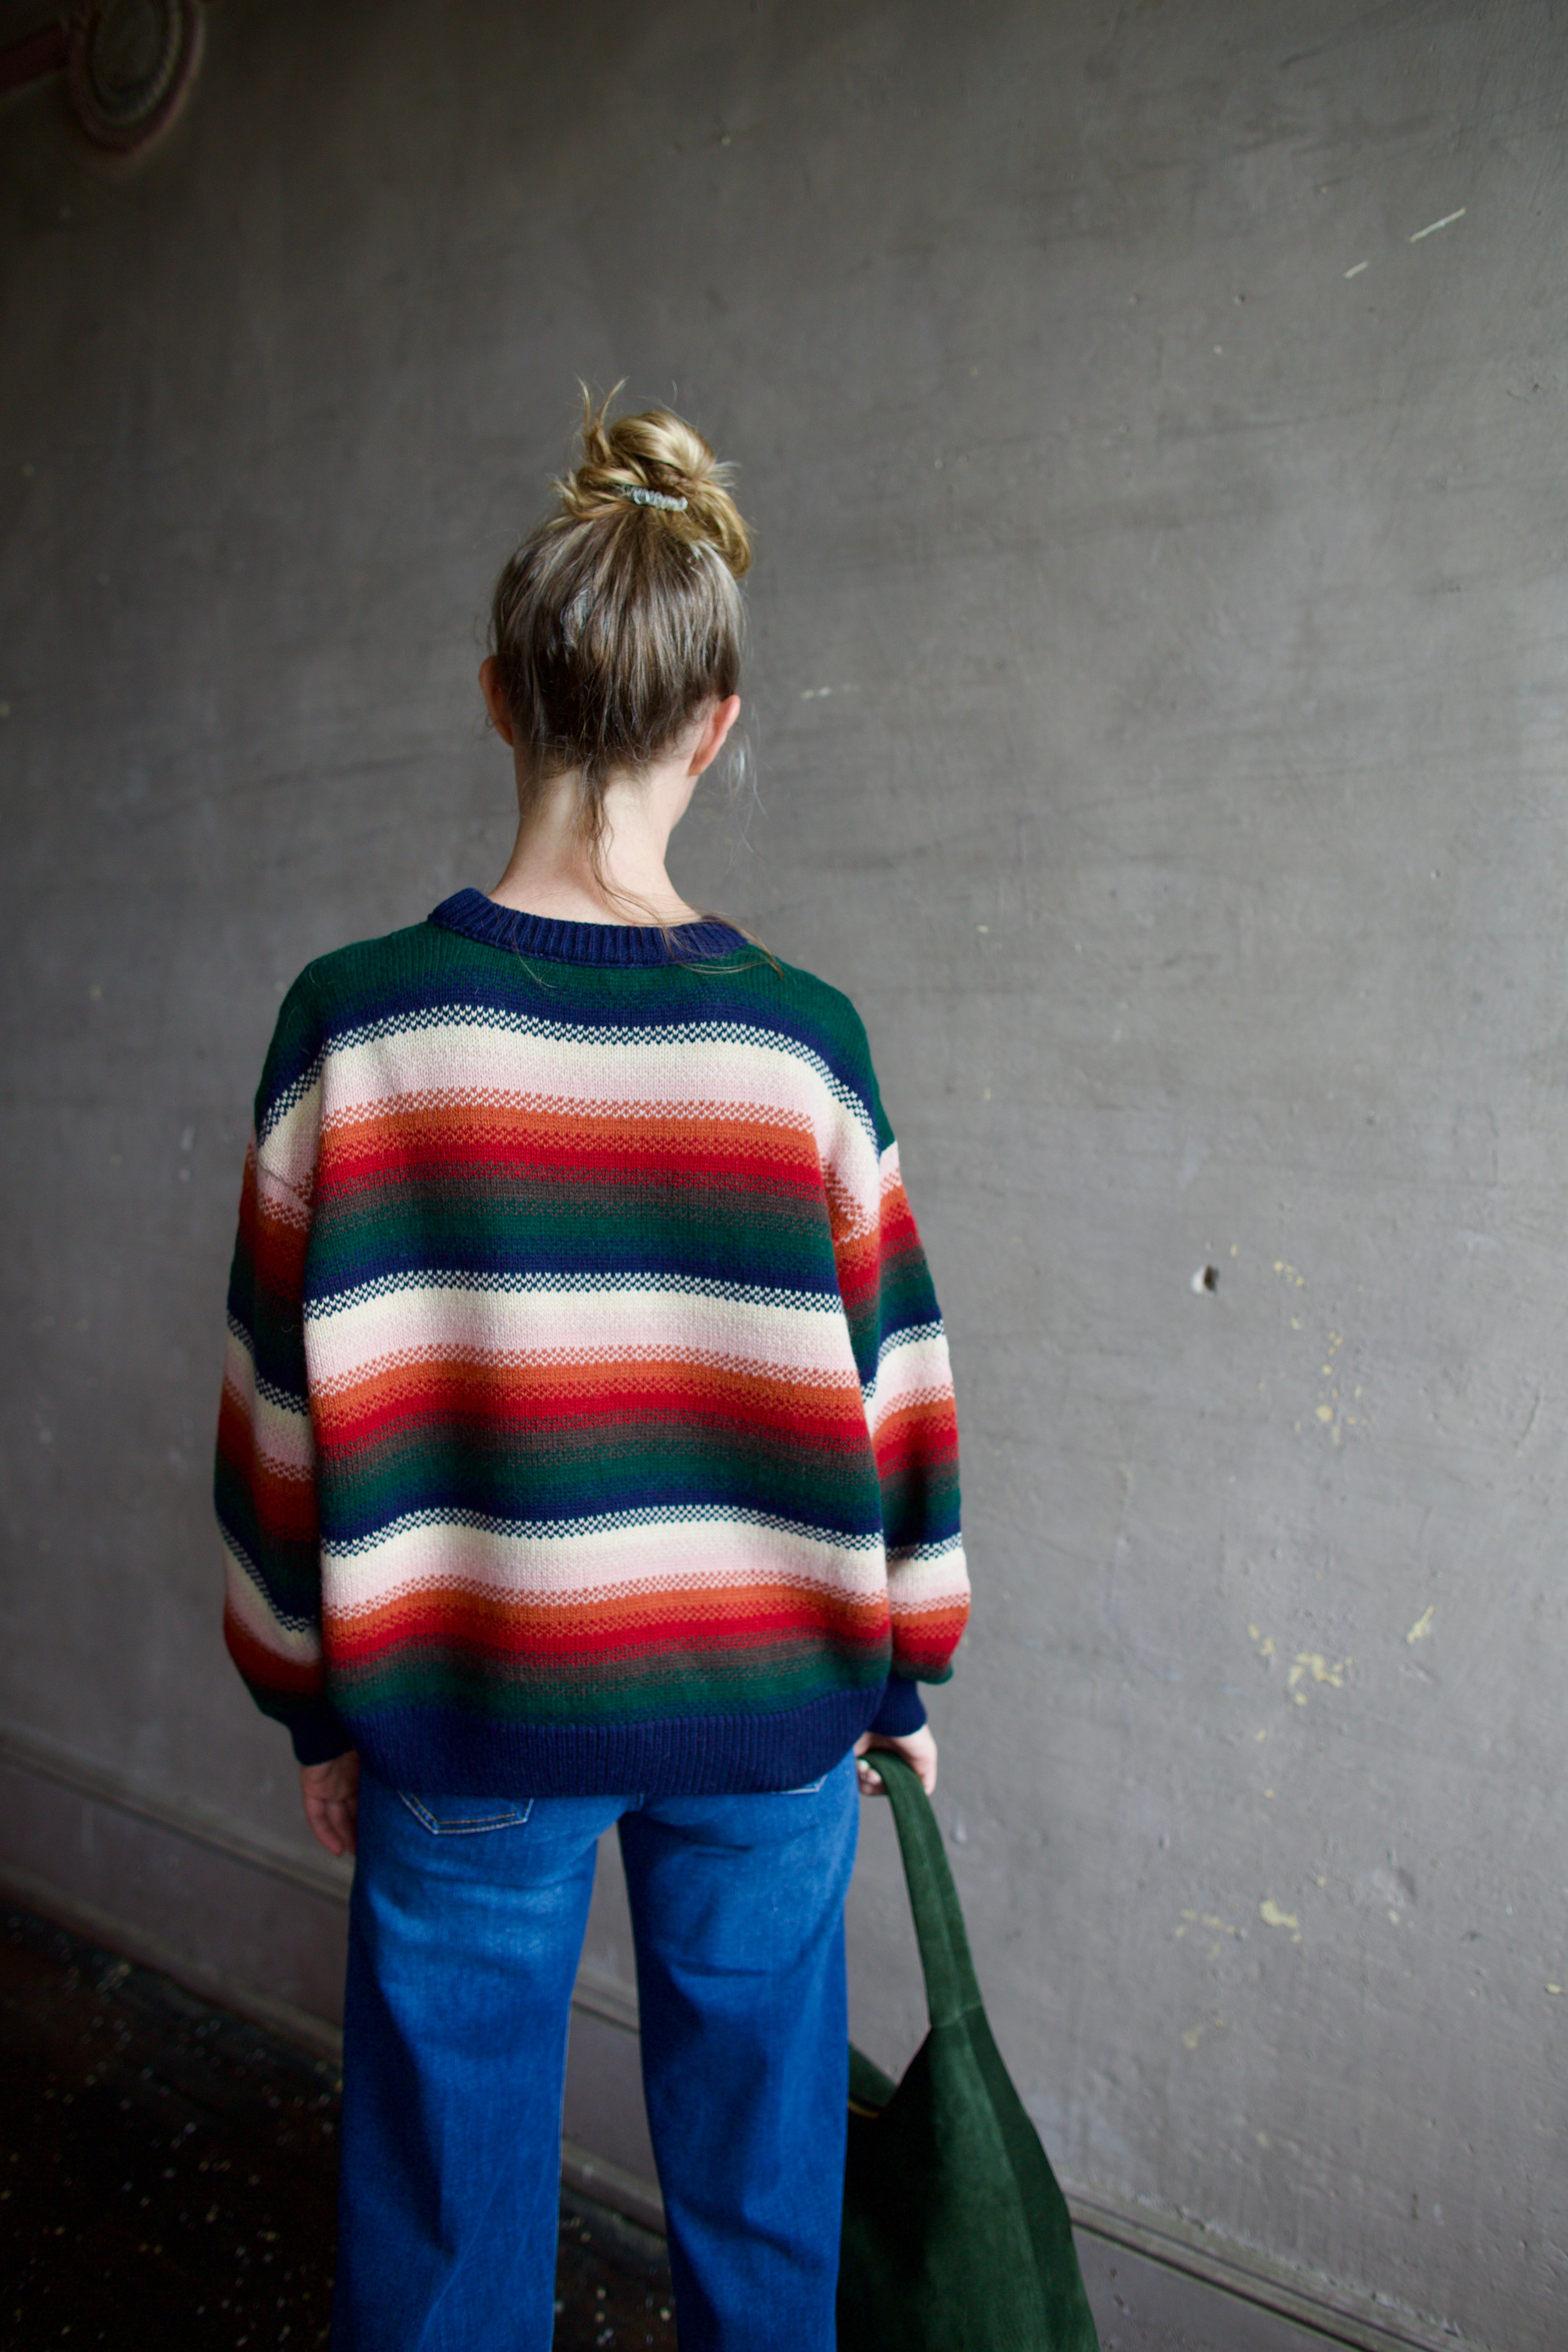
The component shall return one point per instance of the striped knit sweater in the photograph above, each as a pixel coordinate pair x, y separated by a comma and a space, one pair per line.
587, 1425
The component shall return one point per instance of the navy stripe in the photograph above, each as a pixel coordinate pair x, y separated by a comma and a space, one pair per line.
438, 1752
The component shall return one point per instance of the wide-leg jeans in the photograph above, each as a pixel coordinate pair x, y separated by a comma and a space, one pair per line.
466, 1927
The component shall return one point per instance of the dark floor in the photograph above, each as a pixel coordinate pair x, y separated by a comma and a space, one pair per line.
167, 2175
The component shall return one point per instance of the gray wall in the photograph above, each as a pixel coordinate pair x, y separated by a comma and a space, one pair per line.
1186, 816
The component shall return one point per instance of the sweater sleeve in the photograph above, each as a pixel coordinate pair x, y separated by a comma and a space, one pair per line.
900, 1351
265, 1484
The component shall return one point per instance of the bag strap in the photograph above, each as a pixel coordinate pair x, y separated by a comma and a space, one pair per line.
951, 1986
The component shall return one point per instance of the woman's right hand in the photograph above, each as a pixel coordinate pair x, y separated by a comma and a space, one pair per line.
331, 1795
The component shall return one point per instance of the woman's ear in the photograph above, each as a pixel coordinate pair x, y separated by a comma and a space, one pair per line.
495, 701
716, 726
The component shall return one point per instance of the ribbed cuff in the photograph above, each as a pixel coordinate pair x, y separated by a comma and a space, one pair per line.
318, 1737
902, 1709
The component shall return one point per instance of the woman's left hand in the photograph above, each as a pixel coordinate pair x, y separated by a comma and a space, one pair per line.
916, 1748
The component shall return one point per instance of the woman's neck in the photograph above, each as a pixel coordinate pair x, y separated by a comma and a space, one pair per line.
551, 871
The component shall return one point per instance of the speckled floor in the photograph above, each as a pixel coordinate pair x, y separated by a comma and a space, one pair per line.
167, 2175
167, 2178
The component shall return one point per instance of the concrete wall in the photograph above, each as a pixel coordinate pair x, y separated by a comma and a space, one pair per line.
1157, 694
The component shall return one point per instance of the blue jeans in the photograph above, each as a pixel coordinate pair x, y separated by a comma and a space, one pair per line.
466, 1927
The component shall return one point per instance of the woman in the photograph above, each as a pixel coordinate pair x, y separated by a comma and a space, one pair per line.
587, 1456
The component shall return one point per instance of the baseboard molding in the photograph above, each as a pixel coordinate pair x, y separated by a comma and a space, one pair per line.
182, 1816
609, 2185
131, 1942
597, 1994
1339, 2314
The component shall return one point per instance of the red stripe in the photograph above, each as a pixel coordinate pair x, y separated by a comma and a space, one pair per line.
557, 1635
283, 1677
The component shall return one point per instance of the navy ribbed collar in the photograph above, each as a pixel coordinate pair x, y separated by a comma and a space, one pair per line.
479, 918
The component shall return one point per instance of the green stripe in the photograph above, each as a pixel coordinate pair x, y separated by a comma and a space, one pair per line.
627, 1689
551, 1475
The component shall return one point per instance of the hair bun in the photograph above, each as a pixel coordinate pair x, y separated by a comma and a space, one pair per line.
658, 452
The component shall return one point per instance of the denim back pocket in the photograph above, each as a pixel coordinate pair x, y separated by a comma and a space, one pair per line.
466, 1816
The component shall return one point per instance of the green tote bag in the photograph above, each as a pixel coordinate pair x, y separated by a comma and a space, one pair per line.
956, 2236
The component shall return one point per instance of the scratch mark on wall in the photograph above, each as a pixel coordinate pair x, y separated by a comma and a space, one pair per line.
1356, 269
1433, 226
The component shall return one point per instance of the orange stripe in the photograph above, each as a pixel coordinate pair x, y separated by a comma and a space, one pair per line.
513, 1622
505, 1390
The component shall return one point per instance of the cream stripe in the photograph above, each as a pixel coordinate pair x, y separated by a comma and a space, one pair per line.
280, 1434
565, 1360
913, 1371
283, 1192
289, 1155
580, 1567
802, 1341
662, 1075
302, 1645
922, 1582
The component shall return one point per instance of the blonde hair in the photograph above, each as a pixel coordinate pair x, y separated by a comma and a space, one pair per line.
617, 622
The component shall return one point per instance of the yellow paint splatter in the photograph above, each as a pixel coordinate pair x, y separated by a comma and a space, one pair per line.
1325, 1413
1554, 1988
1422, 1625
1192, 2037
1270, 1913
1313, 1663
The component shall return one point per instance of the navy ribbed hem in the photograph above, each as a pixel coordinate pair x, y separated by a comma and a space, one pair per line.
902, 1709
476, 917
434, 1751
